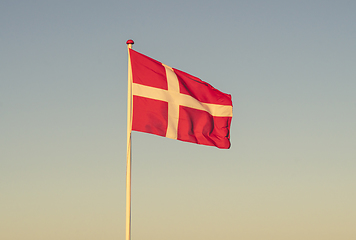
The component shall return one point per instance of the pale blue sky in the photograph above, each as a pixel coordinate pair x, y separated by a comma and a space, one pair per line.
289, 66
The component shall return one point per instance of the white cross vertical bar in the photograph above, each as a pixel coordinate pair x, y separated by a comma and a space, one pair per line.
173, 106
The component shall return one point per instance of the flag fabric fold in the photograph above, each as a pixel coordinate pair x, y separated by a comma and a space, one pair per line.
174, 104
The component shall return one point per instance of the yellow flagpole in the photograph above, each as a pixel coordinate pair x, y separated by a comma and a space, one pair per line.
128, 153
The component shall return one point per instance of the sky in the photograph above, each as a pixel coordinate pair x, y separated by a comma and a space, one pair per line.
290, 171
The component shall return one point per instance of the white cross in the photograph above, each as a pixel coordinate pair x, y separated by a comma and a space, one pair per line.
175, 99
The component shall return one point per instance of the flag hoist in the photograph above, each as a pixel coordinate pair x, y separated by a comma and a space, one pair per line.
171, 103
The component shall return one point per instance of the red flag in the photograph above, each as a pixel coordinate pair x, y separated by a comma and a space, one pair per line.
174, 104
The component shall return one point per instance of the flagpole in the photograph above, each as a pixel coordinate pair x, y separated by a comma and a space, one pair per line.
128, 153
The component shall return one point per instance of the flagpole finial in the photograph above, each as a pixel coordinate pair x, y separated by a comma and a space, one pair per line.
129, 43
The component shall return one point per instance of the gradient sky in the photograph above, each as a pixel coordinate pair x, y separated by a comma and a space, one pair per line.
290, 173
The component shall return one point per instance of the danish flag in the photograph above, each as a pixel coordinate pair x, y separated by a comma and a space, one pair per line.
174, 104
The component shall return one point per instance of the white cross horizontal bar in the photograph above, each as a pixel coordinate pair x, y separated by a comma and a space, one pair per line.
181, 99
